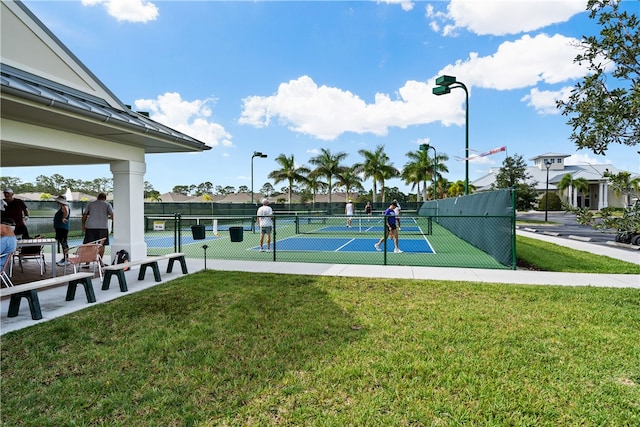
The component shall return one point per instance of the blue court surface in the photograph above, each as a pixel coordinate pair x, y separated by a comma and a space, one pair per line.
339, 244
375, 229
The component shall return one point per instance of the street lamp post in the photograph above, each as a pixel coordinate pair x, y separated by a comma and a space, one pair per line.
255, 154
547, 164
444, 86
425, 147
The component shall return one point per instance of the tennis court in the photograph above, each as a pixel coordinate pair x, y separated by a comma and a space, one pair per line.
346, 244
296, 238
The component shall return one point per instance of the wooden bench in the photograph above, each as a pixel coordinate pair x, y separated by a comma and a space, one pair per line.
30, 292
149, 262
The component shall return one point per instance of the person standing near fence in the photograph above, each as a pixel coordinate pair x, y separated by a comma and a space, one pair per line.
95, 222
17, 210
62, 224
367, 209
392, 230
348, 210
265, 222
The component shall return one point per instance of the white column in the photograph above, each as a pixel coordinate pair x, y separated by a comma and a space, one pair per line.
605, 194
574, 196
128, 204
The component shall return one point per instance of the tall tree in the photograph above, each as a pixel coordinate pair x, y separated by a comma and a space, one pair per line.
204, 188
605, 110
181, 189
314, 184
350, 180
417, 171
328, 165
513, 174
267, 189
376, 165
386, 174
289, 172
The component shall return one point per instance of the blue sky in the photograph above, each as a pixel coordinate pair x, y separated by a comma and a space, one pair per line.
292, 77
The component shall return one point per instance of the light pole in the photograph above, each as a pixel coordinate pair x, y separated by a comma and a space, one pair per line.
255, 154
547, 164
425, 147
444, 86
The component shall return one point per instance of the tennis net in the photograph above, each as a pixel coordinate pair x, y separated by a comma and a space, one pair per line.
360, 224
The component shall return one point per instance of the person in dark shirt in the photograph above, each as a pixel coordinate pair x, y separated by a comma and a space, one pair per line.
392, 229
17, 210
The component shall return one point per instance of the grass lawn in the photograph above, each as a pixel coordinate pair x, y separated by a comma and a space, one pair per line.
547, 256
244, 349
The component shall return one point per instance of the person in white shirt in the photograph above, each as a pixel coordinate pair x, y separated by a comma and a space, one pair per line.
348, 210
265, 222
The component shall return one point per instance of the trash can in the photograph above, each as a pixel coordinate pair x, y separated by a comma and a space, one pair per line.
236, 234
198, 232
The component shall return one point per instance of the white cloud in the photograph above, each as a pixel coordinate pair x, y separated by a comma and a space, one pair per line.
584, 159
327, 112
406, 5
544, 101
500, 17
128, 10
521, 63
191, 118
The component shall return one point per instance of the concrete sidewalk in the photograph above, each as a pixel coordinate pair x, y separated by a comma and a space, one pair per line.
53, 302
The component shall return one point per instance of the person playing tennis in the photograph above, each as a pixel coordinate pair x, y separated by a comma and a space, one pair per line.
390, 222
348, 210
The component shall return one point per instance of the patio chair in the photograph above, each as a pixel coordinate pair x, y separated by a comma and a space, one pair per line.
87, 253
32, 252
5, 277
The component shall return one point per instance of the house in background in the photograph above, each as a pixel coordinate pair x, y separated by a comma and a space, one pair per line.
598, 195
55, 111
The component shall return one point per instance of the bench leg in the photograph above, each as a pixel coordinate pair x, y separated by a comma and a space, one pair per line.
183, 264
88, 289
121, 279
32, 299
154, 267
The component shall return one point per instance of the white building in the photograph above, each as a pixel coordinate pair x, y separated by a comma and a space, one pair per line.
598, 196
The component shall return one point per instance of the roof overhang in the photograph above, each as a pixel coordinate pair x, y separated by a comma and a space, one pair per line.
28, 100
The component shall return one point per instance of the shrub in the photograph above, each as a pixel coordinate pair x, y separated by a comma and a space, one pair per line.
555, 204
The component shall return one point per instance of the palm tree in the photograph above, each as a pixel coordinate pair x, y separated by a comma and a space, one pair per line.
412, 174
622, 184
442, 187
457, 188
350, 180
314, 184
574, 185
376, 165
423, 167
416, 171
387, 173
328, 165
289, 172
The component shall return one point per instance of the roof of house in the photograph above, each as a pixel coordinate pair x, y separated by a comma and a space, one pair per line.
592, 173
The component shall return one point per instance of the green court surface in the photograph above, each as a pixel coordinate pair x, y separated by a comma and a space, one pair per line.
328, 240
